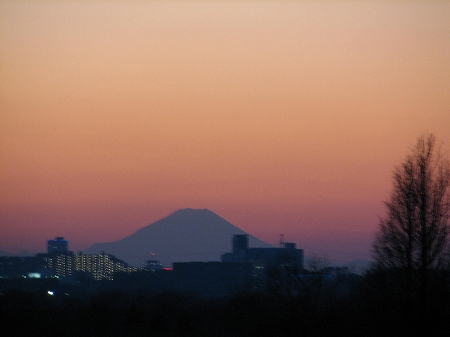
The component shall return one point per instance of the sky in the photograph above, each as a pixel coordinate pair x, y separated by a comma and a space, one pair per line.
283, 117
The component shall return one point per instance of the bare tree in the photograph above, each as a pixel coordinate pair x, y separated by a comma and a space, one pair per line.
412, 240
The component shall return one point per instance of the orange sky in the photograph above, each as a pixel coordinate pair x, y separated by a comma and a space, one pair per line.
280, 116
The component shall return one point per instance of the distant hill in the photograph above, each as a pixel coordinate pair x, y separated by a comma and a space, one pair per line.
186, 235
22, 253
359, 266
2, 253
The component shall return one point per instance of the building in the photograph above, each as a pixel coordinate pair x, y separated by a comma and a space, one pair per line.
100, 266
58, 245
245, 269
265, 261
240, 248
58, 264
269, 257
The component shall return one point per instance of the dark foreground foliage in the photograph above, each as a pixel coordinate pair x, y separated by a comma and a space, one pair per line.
349, 306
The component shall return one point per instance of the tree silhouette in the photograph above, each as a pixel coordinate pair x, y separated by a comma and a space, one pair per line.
411, 244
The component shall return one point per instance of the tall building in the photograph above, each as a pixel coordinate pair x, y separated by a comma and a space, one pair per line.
240, 247
58, 245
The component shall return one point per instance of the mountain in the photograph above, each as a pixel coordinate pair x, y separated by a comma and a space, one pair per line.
6, 254
22, 253
186, 235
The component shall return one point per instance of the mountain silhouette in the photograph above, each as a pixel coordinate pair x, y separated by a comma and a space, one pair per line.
185, 235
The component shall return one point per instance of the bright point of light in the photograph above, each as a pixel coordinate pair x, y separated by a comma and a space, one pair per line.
51, 293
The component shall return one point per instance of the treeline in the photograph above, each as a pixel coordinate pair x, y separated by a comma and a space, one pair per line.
317, 304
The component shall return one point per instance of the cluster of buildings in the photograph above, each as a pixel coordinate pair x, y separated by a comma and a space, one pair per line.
60, 262
243, 269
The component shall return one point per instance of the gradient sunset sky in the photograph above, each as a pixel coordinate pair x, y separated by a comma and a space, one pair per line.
280, 116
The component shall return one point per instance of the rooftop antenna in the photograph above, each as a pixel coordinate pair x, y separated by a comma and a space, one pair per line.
281, 240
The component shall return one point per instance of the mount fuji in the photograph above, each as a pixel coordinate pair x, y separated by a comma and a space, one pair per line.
185, 235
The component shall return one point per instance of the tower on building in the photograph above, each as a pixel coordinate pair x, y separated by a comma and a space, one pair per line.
58, 245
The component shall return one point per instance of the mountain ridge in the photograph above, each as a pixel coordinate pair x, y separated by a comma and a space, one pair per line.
185, 235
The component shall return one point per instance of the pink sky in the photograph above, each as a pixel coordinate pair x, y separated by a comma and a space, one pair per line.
282, 117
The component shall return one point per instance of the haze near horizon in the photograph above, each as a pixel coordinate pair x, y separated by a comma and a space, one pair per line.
281, 117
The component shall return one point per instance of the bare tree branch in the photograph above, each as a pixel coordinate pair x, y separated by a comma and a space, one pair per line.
412, 240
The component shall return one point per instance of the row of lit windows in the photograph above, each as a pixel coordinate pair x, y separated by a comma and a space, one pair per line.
100, 266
